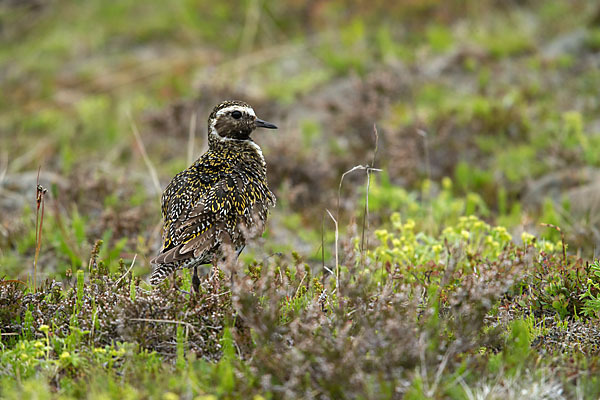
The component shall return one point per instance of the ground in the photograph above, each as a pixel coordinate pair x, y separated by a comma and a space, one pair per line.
457, 259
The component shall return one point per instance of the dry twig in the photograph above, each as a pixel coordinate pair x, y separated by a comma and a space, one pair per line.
39, 222
337, 265
562, 238
126, 272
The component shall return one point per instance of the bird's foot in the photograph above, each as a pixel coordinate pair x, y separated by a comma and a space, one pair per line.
195, 281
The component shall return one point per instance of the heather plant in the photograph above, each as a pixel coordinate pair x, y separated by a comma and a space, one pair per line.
464, 268
418, 316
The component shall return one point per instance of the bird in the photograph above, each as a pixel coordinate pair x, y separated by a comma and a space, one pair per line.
219, 201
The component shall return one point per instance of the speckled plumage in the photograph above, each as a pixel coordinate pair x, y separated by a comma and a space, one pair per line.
221, 199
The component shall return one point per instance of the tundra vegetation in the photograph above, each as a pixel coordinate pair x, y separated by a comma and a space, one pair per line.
437, 223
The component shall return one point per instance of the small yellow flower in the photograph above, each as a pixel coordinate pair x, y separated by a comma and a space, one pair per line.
382, 235
170, 396
503, 233
65, 355
448, 230
527, 237
44, 328
396, 219
410, 224
548, 247
465, 234
426, 186
446, 183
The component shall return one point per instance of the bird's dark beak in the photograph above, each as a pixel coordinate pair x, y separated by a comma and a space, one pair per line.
264, 124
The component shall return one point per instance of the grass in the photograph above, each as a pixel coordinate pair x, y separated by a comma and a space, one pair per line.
445, 278
468, 296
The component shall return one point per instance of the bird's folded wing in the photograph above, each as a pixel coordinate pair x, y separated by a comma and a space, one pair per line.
224, 215
194, 247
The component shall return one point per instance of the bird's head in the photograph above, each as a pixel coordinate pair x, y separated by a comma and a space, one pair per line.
234, 119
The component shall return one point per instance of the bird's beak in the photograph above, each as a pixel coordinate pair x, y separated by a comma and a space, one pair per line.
264, 124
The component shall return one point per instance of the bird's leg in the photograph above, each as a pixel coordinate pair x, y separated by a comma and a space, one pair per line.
174, 279
196, 280
237, 255
240, 251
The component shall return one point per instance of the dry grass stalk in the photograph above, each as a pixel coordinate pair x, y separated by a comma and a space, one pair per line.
126, 272
562, 238
39, 222
337, 264
365, 226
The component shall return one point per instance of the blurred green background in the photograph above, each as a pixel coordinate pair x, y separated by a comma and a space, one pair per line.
482, 107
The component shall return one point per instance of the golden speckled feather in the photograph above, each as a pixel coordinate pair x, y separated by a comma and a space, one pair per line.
221, 199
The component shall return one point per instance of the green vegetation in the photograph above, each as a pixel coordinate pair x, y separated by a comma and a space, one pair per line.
464, 263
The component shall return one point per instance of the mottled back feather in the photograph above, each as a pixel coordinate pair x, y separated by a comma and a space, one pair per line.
222, 198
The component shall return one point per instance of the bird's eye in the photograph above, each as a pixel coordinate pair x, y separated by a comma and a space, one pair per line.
236, 114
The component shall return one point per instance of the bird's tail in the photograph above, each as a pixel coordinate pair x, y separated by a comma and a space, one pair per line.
161, 271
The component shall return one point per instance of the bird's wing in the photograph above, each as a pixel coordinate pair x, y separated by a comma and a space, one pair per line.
171, 188
184, 191
231, 209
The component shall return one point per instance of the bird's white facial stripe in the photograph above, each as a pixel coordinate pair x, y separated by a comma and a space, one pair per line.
250, 142
226, 110
242, 109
